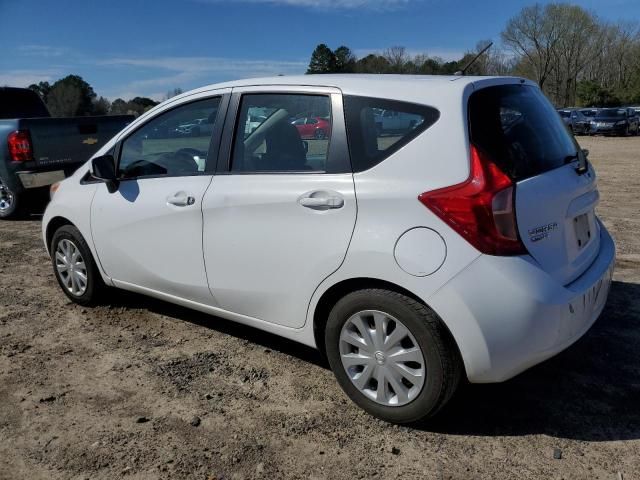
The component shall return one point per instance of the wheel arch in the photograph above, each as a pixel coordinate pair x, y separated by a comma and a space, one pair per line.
54, 224
329, 298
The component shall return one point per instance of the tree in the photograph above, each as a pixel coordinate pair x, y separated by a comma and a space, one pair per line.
345, 60
591, 94
372, 64
533, 35
70, 96
101, 106
323, 60
397, 58
42, 89
173, 93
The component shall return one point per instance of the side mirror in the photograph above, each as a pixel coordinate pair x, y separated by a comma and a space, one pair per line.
104, 168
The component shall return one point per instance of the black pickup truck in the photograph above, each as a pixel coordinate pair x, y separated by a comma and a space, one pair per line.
37, 150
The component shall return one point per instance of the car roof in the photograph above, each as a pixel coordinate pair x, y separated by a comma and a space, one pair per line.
385, 85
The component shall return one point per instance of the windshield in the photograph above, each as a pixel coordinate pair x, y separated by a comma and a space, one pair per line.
564, 113
611, 112
519, 129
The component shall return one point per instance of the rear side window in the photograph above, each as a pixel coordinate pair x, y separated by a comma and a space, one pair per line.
21, 103
377, 127
520, 130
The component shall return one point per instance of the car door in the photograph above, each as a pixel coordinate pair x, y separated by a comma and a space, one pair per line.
148, 233
280, 212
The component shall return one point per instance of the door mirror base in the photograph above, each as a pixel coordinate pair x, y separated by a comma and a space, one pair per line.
104, 168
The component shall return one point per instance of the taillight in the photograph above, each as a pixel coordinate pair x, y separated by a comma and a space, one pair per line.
481, 208
20, 146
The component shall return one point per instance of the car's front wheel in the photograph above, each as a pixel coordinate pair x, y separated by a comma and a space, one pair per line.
392, 355
74, 266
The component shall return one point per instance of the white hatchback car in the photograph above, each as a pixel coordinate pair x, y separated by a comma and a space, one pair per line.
463, 243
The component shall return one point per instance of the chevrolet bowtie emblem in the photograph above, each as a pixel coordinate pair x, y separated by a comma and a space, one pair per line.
90, 141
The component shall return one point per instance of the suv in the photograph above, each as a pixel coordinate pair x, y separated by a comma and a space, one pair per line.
473, 249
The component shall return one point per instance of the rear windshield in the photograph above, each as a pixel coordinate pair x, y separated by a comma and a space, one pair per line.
520, 130
21, 103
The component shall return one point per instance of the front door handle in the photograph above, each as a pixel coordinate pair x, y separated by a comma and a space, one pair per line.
181, 199
321, 200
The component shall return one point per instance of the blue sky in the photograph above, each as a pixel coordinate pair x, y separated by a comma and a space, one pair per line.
135, 47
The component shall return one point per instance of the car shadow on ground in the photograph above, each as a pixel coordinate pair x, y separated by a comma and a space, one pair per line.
589, 392
265, 339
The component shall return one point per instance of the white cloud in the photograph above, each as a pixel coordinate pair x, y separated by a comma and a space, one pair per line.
24, 78
330, 4
183, 71
43, 50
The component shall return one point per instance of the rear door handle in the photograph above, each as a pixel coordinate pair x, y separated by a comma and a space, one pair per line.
181, 199
321, 200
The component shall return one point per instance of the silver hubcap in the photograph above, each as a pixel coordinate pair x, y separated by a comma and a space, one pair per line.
71, 267
382, 358
6, 197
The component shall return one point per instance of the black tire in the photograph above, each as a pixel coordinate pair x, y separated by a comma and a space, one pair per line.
94, 284
11, 203
442, 360
320, 134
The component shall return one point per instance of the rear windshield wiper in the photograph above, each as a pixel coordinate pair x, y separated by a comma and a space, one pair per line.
582, 166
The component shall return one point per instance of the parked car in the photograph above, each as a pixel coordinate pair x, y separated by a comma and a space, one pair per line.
575, 120
615, 121
390, 121
473, 249
589, 112
36, 150
313, 127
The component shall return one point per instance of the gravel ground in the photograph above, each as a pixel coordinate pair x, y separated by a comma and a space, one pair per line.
143, 389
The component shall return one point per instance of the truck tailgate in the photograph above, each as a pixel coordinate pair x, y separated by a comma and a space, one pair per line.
60, 142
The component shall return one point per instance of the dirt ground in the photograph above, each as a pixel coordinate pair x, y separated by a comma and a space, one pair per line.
113, 391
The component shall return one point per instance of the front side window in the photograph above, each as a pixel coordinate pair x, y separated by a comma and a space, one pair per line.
273, 136
172, 144
376, 127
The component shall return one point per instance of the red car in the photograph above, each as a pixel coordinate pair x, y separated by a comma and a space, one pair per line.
313, 127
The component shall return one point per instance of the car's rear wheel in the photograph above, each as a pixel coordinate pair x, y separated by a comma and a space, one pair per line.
392, 355
74, 266
10, 202
320, 134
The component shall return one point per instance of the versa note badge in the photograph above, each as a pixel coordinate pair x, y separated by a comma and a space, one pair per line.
540, 233
90, 141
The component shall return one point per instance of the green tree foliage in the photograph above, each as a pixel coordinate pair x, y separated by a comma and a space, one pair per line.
345, 60
42, 89
70, 96
323, 60
592, 94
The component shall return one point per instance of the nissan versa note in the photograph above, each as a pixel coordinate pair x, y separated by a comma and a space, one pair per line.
461, 243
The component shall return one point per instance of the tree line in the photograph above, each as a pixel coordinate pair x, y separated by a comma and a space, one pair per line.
72, 96
576, 57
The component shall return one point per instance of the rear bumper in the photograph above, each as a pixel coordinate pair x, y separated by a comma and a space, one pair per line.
506, 314
40, 179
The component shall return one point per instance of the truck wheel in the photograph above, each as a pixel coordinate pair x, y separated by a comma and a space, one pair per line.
392, 355
10, 202
74, 267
